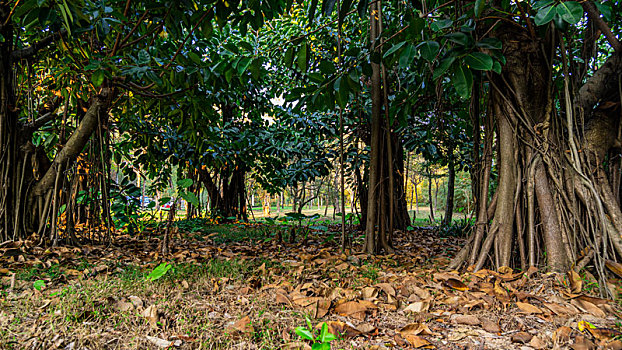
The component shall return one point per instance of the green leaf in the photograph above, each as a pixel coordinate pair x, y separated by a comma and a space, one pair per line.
479, 61
243, 64
605, 9
570, 11
362, 8
545, 15
289, 57
143, 57
443, 67
542, 3
496, 67
344, 9
311, 11
185, 183
479, 7
429, 50
325, 335
327, 67
158, 272
194, 57
98, 77
441, 24
393, 49
39, 284
490, 43
407, 56
302, 58
320, 346
462, 80
190, 198
341, 86
304, 333
458, 38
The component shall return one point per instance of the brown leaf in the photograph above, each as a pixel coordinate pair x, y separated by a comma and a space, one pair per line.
418, 306
537, 343
343, 329
387, 288
562, 334
416, 329
521, 337
491, 326
282, 299
528, 308
558, 309
349, 308
160, 343
151, 314
418, 342
576, 283
582, 343
456, 284
501, 293
614, 267
604, 333
470, 320
322, 308
586, 306
242, 325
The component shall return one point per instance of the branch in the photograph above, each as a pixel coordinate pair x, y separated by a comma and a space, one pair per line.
36, 47
76, 142
152, 95
41, 121
602, 83
594, 15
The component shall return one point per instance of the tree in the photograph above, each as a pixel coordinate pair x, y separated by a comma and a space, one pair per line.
92, 58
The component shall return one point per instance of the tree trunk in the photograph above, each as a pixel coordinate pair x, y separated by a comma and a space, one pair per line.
451, 179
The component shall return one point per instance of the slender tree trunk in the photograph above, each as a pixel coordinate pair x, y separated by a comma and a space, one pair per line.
451, 179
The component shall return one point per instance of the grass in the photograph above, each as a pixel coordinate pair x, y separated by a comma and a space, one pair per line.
87, 308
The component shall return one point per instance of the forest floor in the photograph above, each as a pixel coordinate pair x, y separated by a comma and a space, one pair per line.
230, 288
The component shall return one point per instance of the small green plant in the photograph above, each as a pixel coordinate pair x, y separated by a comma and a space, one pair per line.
159, 271
39, 284
320, 341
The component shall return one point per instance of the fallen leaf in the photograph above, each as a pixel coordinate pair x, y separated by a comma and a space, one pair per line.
614, 267
349, 308
521, 337
491, 326
418, 342
562, 334
282, 299
151, 314
586, 306
159, 342
604, 333
537, 343
576, 283
582, 343
343, 329
242, 325
456, 284
387, 288
419, 306
528, 308
416, 329
470, 320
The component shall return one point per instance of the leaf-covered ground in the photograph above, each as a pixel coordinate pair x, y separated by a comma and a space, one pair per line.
229, 288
